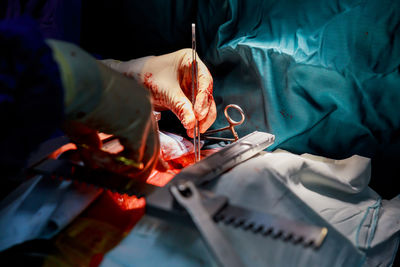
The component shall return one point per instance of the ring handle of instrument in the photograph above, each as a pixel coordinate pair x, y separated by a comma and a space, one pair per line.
229, 119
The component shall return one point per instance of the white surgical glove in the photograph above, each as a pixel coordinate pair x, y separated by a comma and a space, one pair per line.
169, 78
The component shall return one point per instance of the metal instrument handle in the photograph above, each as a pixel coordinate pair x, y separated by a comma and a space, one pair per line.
231, 121
231, 126
189, 198
195, 84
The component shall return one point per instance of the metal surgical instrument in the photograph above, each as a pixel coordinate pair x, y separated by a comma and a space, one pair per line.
196, 132
231, 126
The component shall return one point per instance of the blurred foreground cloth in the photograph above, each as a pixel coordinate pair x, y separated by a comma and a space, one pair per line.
363, 229
41, 208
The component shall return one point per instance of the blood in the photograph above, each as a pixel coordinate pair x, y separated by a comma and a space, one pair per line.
148, 75
210, 91
185, 79
285, 114
158, 99
96, 260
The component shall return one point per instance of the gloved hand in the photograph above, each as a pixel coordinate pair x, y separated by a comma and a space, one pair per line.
169, 78
99, 98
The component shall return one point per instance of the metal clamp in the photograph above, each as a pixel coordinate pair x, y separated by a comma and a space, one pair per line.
231, 126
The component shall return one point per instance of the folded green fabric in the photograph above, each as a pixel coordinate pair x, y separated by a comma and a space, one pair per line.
322, 76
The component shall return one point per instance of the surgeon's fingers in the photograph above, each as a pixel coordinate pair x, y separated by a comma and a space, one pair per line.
182, 108
204, 91
209, 119
204, 95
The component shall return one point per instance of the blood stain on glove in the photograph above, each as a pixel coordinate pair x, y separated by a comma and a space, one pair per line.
158, 99
185, 80
148, 83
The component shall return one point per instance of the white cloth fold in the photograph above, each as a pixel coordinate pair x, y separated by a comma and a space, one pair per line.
362, 228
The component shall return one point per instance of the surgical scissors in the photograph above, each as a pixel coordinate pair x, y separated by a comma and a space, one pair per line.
231, 126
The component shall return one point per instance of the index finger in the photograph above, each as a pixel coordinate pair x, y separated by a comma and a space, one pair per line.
204, 95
